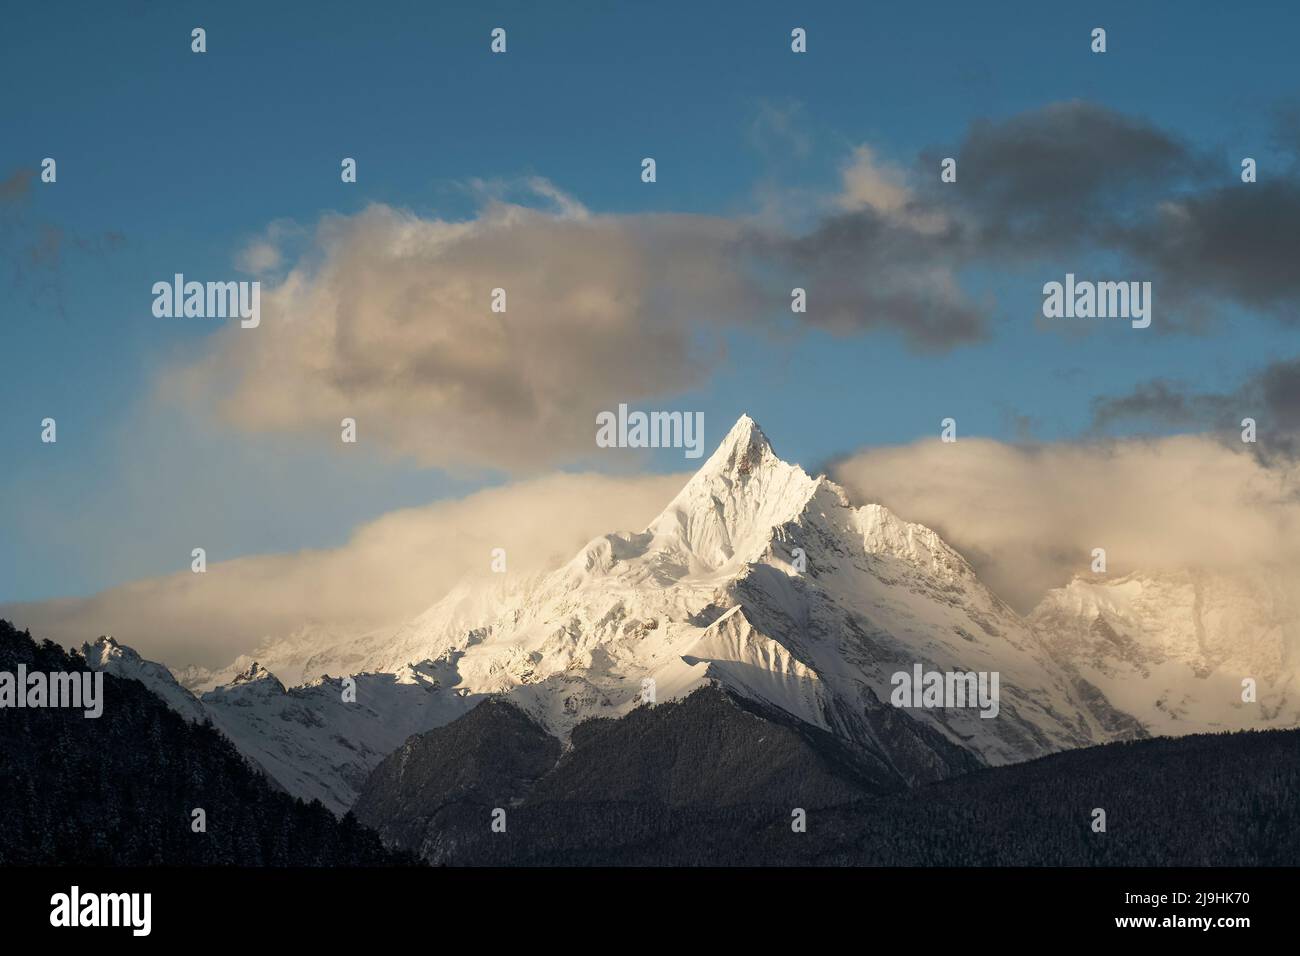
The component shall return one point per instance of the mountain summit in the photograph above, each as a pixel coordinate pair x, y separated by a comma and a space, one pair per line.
729, 507
743, 450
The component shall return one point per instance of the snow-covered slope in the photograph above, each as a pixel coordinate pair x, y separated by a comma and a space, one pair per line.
319, 745
107, 655
1173, 649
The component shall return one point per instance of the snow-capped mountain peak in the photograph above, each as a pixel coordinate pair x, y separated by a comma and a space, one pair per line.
254, 672
255, 680
106, 649
755, 577
743, 450
726, 512
111, 657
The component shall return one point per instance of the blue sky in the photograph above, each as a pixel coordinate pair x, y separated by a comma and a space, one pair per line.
186, 158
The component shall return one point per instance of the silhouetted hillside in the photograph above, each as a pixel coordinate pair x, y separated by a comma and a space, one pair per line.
120, 789
435, 796
446, 781
704, 781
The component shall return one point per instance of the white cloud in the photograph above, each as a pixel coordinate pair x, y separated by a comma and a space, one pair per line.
1028, 517
387, 319
870, 183
264, 255
258, 258
391, 569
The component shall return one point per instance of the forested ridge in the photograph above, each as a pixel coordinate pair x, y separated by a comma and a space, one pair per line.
121, 789
655, 788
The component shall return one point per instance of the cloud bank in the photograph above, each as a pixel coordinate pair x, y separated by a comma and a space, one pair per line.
391, 569
1028, 517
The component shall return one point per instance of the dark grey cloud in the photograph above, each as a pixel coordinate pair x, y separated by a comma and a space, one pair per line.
868, 270
1065, 178
1060, 174
1160, 402
1054, 187
1239, 243
1271, 396
1279, 387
